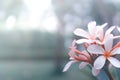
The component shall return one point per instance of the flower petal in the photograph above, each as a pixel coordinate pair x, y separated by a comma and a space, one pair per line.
80, 41
73, 43
116, 37
81, 32
100, 33
108, 42
72, 52
86, 54
99, 62
109, 30
95, 72
104, 25
82, 65
114, 62
118, 28
82, 57
116, 51
99, 42
92, 27
116, 46
95, 49
68, 65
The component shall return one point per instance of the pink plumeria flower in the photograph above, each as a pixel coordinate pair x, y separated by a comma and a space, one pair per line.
91, 35
76, 56
106, 53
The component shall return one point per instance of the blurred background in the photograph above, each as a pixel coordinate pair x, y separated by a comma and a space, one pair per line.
35, 36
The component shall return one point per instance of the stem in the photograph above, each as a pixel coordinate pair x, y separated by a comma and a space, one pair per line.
109, 74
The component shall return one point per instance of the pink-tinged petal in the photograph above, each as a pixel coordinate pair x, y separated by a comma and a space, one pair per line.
80, 41
114, 62
73, 43
118, 28
116, 51
82, 57
116, 46
95, 49
86, 54
100, 33
108, 42
72, 49
81, 32
92, 27
82, 65
109, 30
99, 62
95, 72
68, 65
72, 53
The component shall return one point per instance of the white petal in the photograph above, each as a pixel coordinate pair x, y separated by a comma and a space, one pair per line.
82, 65
118, 28
114, 62
95, 72
108, 42
116, 51
104, 25
71, 58
100, 33
95, 49
68, 65
110, 30
80, 41
115, 37
99, 42
92, 27
99, 62
81, 32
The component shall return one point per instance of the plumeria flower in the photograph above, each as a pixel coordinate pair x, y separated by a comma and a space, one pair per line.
103, 35
106, 52
91, 35
77, 56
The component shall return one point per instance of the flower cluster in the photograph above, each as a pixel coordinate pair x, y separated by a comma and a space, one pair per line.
98, 48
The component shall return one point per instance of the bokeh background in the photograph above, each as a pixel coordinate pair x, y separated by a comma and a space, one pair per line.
35, 36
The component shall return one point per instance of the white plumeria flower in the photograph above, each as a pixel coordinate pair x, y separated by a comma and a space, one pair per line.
103, 35
89, 36
106, 53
